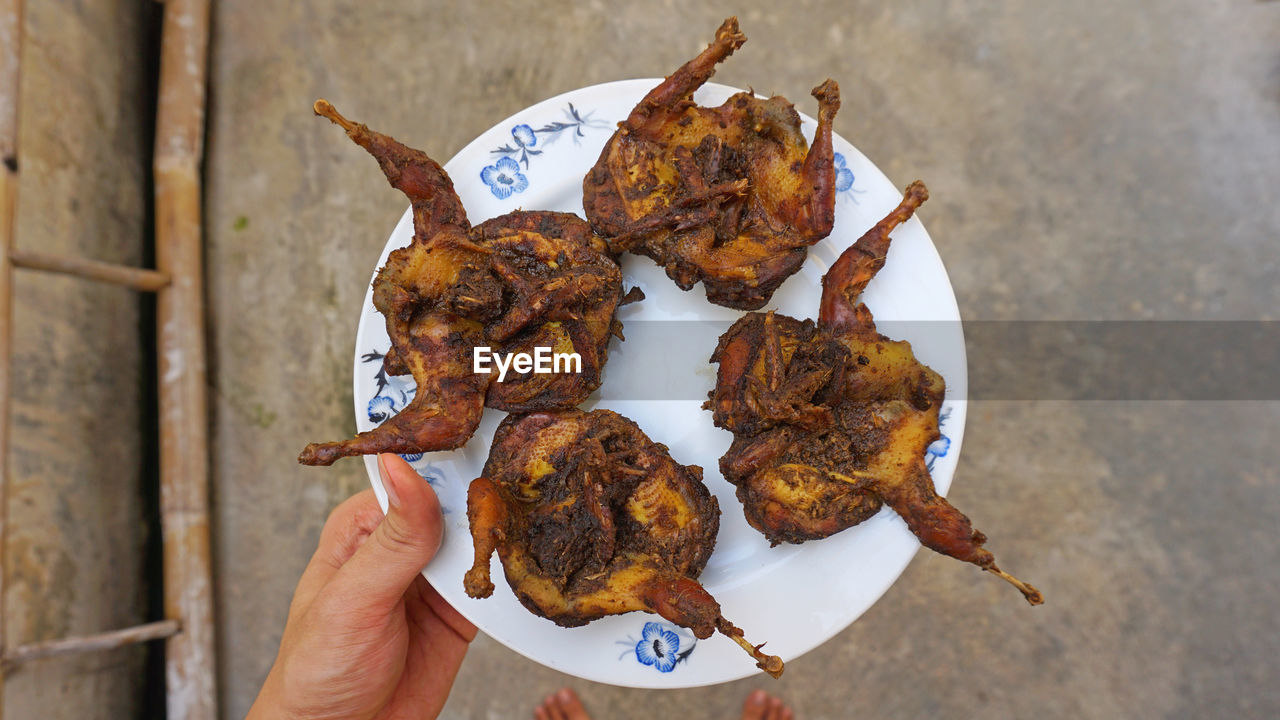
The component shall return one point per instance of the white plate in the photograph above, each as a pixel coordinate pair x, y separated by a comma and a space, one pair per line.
794, 596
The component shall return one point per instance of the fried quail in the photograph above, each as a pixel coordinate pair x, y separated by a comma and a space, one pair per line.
513, 283
832, 420
592, 518
730, 196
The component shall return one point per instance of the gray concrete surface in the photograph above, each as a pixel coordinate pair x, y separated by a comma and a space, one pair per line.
78, 525
1088, 160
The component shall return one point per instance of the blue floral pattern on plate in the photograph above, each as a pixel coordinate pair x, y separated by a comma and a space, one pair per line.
659, 646
845, 179
504, 178
386, 400
938, 448
390, 397
381, 407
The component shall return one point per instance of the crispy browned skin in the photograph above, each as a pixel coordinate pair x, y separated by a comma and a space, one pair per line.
731, 196
832, 420
592, 518
518, 281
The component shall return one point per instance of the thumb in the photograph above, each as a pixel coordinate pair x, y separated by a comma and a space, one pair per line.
403, 543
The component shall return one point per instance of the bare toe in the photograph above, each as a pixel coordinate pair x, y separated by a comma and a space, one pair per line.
571, 705
549, 709
760, 705
753, 708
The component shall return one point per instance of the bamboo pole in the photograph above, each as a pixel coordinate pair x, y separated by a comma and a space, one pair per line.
10, 65
92, 643
131, 277
184, 453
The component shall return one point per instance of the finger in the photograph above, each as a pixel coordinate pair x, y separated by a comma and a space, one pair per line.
441, 608
347, 527
775, 709
385, 565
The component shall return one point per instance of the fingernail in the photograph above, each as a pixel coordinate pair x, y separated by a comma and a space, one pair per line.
756, 698
565, 694
387, 483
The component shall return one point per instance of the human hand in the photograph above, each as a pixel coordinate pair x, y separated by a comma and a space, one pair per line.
367, 635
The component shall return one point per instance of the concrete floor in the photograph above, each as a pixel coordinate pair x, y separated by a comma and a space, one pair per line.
1088, 160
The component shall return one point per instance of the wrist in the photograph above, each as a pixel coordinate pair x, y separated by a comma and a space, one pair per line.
270, 704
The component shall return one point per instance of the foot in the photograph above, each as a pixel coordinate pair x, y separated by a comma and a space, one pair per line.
760, 705
564, 705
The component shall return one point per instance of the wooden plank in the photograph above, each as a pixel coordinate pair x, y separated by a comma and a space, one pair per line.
10, 62
136, 278
10, 65
92, 643
184, 452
